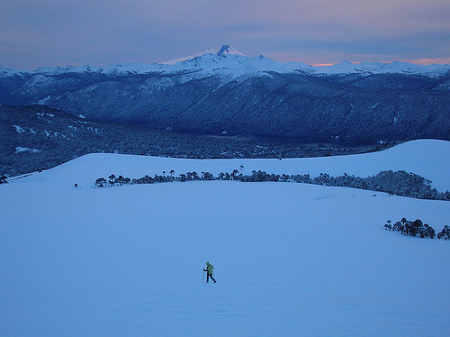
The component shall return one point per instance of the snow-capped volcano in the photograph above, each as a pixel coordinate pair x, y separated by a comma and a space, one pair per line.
227, 60
230, 63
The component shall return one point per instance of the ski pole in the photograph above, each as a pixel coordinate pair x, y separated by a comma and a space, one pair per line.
203, 275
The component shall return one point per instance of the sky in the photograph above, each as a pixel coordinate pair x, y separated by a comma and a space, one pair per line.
50, 33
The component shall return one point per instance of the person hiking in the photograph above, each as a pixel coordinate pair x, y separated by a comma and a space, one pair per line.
209, 272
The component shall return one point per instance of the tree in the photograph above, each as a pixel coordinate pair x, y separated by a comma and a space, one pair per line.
445, 233
429, 231
208, 176
388, 226
233, 175
398, 227
121, 180
416, 227
100, 182
112, 179
3, 179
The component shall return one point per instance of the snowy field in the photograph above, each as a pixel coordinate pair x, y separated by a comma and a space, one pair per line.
290, 259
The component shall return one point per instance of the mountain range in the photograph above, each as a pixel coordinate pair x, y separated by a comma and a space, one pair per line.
223, 92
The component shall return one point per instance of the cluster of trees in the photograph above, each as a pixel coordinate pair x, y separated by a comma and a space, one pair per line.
417, 228
399, 182
120, 180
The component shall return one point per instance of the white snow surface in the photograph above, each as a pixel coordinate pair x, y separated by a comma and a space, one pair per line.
290, 259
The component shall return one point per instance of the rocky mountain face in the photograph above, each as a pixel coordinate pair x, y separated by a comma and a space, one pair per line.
236, 95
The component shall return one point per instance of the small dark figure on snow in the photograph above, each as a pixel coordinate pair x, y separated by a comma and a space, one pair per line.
209, 272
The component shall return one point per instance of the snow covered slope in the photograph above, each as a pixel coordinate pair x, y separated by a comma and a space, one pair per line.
290, 259
427, 158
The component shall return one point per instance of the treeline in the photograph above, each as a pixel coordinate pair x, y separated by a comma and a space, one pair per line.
399, 183
417, 228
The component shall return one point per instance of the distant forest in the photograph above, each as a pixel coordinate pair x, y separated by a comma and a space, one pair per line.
37, 137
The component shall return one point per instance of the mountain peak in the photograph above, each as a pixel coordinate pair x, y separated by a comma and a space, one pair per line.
224, 50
